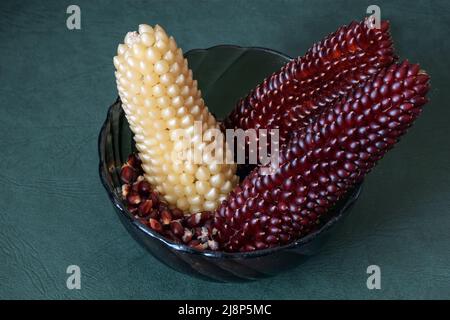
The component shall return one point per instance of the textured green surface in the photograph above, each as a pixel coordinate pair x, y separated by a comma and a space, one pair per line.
55, 88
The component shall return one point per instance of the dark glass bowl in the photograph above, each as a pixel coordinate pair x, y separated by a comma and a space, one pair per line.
224, 73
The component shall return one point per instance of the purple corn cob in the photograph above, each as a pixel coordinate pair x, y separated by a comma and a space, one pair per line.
322, 161
290, 98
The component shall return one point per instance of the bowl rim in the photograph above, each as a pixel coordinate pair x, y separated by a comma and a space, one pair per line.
235, 46
179, 247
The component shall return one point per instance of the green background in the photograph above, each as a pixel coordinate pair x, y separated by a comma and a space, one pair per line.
57, 84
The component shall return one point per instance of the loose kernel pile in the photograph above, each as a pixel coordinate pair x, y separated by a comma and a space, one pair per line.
146, 205
159, 96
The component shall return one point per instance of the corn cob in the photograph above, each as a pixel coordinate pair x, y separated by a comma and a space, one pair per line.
159, 96
322, 162
292, 97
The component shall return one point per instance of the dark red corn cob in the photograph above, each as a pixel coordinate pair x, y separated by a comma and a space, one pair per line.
322, 162
292, 97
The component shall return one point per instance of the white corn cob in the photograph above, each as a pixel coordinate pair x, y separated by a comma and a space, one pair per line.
160, 96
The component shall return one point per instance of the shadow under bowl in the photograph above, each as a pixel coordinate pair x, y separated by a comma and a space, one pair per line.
225, 74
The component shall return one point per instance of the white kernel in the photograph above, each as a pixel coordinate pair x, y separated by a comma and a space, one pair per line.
195, 209
202, 187
217, 180
139, 50
190, 167
168, 113
161, 67
195, 110
214, 167
117, 60
121, 49
172, 123
229, 173
165, 169
187, 121
161, 45
161, 35
163, 102
172, 178
131, 38
212, 194
132, 62
149, 102
148, 39
166, 79
210, 205
134, 88
172, 44
177, 102
175, 69
151, 79
186, 179
182, 204
170, 198
173, 90
132, 75
145, 28
202, 174
158, 90
195, 200
158, 125
177, 167
189, 101
153, 55
145, 67
189, 191
185, 91
169, 57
